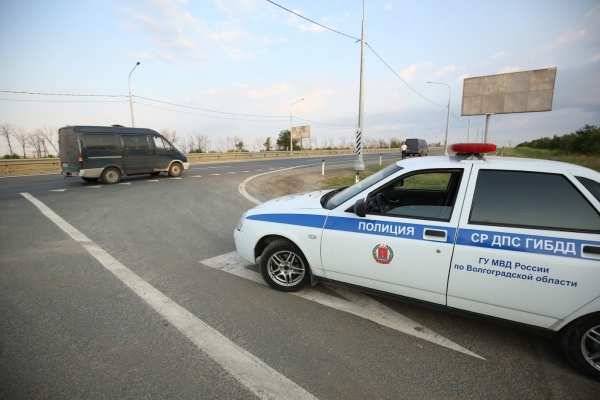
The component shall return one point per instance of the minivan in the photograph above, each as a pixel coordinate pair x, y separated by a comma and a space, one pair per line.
109, 152
416, 146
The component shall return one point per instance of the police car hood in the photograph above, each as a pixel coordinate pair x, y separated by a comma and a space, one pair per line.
305, 200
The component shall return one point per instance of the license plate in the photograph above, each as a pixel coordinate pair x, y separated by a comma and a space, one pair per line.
65, 165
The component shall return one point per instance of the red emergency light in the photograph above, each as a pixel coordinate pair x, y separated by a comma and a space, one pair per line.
470, 148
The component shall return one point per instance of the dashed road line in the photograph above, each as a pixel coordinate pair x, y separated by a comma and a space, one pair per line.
250, 371
58, 190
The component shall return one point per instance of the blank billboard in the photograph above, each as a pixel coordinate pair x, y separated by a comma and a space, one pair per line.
301, 132
516, 92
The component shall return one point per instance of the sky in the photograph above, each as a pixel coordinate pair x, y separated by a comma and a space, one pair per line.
240, 68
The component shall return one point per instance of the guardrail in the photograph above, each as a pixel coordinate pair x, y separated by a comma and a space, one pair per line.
29, 166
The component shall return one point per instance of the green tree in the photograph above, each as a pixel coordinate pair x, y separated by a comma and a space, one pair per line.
239, 146
268, 145
283, 141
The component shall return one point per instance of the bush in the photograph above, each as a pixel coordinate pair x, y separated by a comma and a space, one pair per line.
583, 141
12, 156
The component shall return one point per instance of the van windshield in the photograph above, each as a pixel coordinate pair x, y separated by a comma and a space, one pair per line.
360, 186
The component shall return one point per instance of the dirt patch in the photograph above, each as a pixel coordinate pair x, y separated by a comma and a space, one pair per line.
277, 184
306, 179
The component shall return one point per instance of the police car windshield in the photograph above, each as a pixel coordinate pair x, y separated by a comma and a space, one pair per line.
358, 187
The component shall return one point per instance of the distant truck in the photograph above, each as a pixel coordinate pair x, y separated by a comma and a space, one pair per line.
416, 146
109, 152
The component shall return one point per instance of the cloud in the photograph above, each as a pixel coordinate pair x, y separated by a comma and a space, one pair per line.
498, 55
570, 36
508, 69
388, 7
235, 6
595, 58
408, 74
461, 78
444, 71
312, 28
594, 13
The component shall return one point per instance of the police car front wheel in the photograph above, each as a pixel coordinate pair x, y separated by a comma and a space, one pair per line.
284, 267
581, 344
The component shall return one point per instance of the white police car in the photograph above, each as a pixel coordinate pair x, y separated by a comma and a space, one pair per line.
515, 240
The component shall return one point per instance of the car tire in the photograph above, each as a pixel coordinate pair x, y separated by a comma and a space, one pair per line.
175, 170
89, 180
111, 175
284, 267
581, 345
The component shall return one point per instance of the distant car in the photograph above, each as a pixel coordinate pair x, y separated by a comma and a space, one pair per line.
416, 147
108, 152
511, 240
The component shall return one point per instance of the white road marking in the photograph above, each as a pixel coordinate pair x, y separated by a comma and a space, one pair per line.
196, 176
174, 178
242, 186
94, 187
125, 183
357, 303
152, 180
58, 190
215, 174
231, 172
245, 171
221, 166
250, 371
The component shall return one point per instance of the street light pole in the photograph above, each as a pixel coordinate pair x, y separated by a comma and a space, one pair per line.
291, 142
390, 135
131, 102
359, 165
448, 117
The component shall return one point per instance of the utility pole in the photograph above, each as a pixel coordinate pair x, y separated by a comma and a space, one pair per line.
359, 165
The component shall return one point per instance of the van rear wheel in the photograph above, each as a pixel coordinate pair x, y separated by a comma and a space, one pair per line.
111, 175
175, 170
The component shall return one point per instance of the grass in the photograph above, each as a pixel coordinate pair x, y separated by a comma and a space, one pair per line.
592, 162
347, 178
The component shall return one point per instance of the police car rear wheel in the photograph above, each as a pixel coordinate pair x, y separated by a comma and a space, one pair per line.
284, 267
581, 345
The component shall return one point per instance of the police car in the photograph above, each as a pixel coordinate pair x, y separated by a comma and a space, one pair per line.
510, 239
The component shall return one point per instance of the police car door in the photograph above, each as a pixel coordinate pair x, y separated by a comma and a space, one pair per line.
403, 245
527, 246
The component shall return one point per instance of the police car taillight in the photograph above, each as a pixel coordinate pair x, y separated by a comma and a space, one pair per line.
80, 159
470, 148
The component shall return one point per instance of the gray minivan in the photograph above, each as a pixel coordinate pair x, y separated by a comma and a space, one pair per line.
416, 146
109, 152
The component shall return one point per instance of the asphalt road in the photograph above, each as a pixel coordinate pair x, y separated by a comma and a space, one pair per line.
130, 291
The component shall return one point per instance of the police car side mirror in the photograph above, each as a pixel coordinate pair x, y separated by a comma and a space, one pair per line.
359, 208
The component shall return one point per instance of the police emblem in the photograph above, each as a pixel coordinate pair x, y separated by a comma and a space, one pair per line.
383, 254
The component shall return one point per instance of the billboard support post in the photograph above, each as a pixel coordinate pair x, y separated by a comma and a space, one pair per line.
488, 119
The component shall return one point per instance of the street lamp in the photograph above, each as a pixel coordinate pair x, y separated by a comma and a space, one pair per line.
291, 142
130, 102
390, 135
448, 117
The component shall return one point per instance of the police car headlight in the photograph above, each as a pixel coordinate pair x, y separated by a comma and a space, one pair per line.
241, 221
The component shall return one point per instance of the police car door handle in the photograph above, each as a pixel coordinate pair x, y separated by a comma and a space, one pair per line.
591, 249
435, 233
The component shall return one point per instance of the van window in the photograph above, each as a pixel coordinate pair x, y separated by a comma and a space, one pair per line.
531, 200
135, 142
100, 141
161, 144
